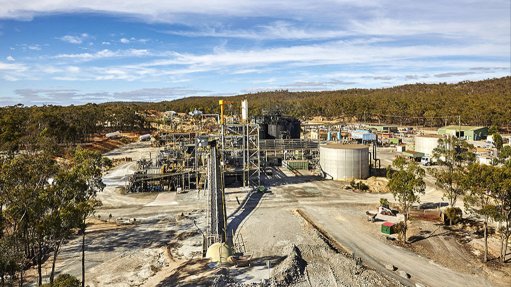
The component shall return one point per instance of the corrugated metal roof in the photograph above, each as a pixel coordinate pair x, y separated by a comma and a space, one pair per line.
463, 128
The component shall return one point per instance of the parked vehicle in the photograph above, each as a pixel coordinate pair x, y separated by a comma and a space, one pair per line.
427, 160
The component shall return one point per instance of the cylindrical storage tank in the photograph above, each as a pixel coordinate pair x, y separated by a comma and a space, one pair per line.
344, 162
426, 143
338, 136
329, 136
244, 111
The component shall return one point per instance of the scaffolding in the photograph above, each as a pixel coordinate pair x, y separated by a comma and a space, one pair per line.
289, 149
239, 148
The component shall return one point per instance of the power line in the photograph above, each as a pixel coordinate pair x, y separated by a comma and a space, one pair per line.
413, 117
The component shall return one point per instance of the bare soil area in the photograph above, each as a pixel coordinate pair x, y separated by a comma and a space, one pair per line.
161, 244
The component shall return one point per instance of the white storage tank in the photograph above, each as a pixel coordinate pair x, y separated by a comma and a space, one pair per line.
244, 111
344, 161
426, 143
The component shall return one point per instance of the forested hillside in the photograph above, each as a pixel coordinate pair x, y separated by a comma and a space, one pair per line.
485, 102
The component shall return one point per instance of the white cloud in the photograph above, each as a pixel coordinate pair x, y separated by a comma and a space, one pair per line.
10, 78
73, 69
12, 67
157, 10
337, 52
34, 47
274, 30
124, 40
68, 96
105, 53
105, 43
74, 39
10, 58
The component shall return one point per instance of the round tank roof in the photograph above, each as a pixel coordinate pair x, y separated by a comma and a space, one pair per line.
344, 146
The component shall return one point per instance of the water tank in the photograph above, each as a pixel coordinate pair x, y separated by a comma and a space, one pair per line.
426, 143
344, 162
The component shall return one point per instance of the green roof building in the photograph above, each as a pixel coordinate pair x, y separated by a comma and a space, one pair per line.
465, 132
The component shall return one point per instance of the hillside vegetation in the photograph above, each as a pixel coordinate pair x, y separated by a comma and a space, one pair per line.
485, 102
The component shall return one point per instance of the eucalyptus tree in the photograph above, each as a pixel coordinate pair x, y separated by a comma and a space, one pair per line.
499, 190
453, 155
25, 179
87, 167
407, 185
63, 214
481, 185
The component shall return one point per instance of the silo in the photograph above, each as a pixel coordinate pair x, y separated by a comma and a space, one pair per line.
244, 111
426, 143
344, 162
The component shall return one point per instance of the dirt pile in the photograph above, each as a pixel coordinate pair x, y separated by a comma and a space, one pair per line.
319, 265
291, 269
377, 184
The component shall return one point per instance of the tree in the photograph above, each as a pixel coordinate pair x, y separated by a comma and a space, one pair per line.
25, 179
505, 156
406, 184
480, 183
452, 154
497, 141
500, 192
87, 166
493, 129
64, 212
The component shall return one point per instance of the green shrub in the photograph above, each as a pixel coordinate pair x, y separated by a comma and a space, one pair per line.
363, 186
384, 202
64, 280
452, 214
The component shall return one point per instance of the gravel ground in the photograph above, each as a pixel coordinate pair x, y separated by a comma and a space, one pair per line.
164, 247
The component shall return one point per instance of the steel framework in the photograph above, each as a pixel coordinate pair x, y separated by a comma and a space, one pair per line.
239, 147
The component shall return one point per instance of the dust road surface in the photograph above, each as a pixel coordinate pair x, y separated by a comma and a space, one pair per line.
347, 228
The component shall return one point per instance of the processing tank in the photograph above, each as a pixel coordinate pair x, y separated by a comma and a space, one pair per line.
344, 161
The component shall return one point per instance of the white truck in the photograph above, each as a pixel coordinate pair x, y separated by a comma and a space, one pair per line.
428, 160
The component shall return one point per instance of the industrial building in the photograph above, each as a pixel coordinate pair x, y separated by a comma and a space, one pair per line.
344, 161
363, 136
426, 143
473, 133
277, 126
384, 129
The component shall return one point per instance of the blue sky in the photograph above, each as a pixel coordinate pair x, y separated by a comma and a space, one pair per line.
74, 52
